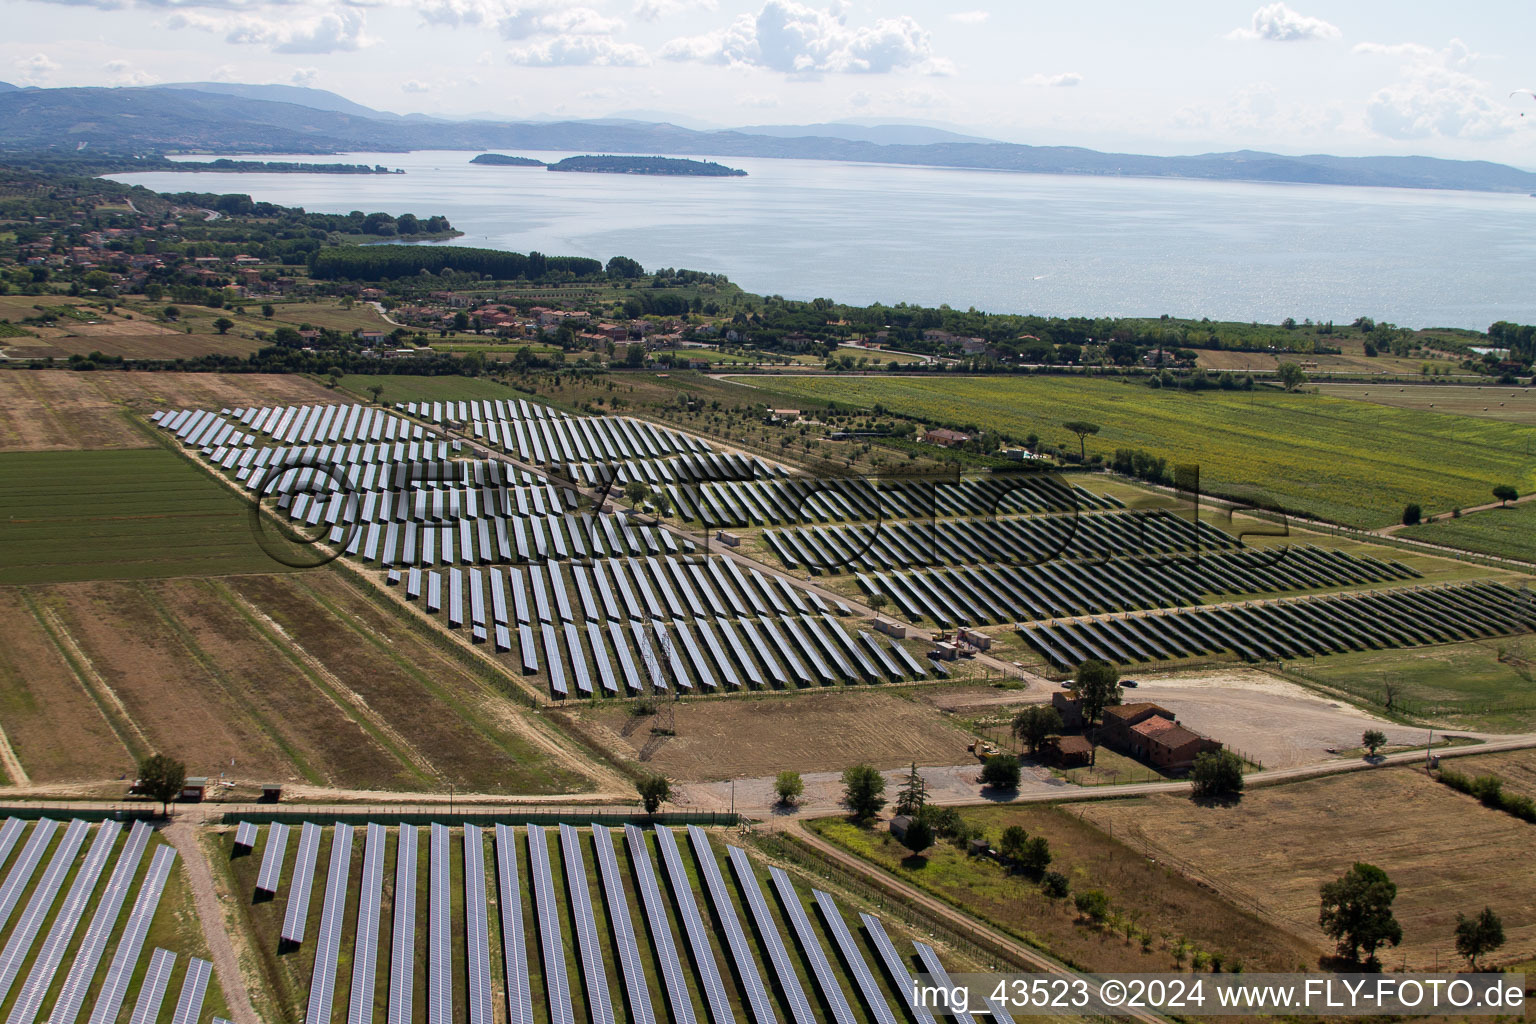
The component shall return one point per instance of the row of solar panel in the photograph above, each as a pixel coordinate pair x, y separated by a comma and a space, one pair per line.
420, 462
480, 410
328, 424
42, 905
1403, 617
1030, 541
488, 541
605, 931
747, 502
586, 439
973, 595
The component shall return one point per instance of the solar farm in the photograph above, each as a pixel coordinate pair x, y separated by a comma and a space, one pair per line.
78, 911
499, 519
560, 924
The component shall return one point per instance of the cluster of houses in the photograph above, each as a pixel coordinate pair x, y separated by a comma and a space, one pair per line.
1148, 732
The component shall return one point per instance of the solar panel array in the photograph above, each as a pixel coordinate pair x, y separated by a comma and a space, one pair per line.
66, 1008
297, 913
726, 981
194, 989
113, 991
332, 918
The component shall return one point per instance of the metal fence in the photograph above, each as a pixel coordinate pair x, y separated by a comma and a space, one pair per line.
119, 812
423, 814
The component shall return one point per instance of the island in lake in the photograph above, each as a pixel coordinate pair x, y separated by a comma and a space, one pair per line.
502, 160
646, 165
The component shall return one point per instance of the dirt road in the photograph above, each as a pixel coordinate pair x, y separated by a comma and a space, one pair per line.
182, 834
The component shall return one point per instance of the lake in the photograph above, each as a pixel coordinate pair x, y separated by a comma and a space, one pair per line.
1001, 242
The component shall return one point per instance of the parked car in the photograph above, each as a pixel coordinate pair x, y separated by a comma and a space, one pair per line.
1129, 682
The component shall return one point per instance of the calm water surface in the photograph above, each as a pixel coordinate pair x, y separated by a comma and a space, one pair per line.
1062, 245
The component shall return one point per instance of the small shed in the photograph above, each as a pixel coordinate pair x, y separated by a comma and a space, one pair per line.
1072, 751
271, 792
194, 788
730, 540
899, 826
891, 628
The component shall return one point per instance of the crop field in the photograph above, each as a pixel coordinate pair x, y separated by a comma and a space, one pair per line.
1510, 532
1484, 684
1271, 851
409, 388
1511, 404
130, 339
304, 681
1345, 461
1159, 901
44, 410
118, 515
748, 737
1352, 362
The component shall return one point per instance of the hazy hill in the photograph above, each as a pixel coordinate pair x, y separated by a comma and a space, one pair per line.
162, 119
316, 99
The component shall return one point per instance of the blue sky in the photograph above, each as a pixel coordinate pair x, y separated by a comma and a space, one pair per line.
1359, 77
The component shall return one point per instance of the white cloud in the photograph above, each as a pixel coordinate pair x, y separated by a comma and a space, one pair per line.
1064, 80
36, 69
304, 76
970, 17
337, 30
412, 85
519, 21
1277, 23
123, 73
793, 38
577, 51
1436, 95
759, 102
655, 10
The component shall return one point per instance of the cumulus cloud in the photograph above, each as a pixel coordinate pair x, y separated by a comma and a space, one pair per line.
578, 51
518, 21
304, 76
763, 101
36, 69
1435, 94
793, 38
337, 30
655, 10
970, 17
412, 85
123, 73
1064, 80
1277, 23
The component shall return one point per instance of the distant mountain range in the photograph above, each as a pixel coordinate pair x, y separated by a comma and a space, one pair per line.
215, 117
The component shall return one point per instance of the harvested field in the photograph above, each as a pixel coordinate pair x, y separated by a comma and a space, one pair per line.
264, 679
43, 410
1515, 768
1160, 903
119, 515
130, 340
1485, 401
1271, 851
750, 735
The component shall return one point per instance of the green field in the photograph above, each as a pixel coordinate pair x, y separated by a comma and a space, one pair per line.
1484, 684
402, 387
119, 515
1510, 532
1345, 461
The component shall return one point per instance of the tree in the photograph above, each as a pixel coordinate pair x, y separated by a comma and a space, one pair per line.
1036, 856
267, 310
636, 491
918, 836
461, 321
377, 391
1033, 724
1012, 844
335, 374
789, 786
1412, 513
161, 778
1001, 772
663, 503
1505, 493
1356, 911
654, 791
1290, 376
171, 312
1097, 686
1477, 936
877, 601
1082, 428
1092, 904
1217, 773
913, 794
863, 791
1373, 740
223, 324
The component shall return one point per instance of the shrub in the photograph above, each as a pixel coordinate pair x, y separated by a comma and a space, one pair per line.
1001, 772
1092, 904
1054, 885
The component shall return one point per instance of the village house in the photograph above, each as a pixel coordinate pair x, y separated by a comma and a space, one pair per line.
944, 436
